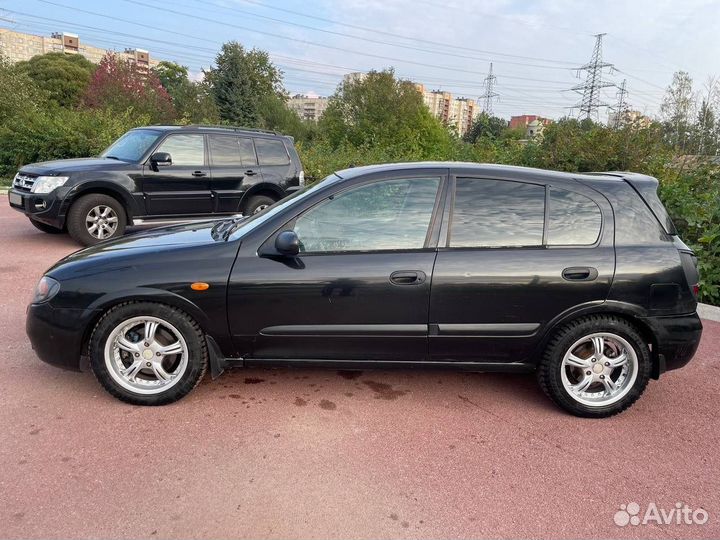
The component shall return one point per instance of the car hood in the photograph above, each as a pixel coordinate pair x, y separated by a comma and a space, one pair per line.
61, 166
150, 242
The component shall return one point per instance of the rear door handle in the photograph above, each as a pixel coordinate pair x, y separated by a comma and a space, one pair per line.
580, 273
250, 172
408, 277
198, 173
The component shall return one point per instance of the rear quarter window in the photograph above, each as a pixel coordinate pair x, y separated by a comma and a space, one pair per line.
271, 152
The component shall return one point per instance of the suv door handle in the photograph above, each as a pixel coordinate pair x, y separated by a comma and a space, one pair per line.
198, 173
580, 273
408, 277
250, 172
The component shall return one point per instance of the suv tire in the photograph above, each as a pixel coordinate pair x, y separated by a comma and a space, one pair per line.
257, 203
96, 217
146, 353
596, 366
44, 227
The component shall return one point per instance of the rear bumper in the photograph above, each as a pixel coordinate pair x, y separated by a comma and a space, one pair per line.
677, 339
56, 334
46, 208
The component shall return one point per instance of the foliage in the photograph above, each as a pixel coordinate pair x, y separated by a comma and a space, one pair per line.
119, 85
239, 82
193, 101
379, 110
64, 77
486, 127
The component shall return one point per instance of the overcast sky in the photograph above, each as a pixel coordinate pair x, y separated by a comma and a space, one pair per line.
446, 45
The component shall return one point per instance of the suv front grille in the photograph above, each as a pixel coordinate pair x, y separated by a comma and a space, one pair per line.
24, 182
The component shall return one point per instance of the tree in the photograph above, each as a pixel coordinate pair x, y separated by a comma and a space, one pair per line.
192, 100
63, 76
379, 110
486, 126
677, 108
240, 81
120, 85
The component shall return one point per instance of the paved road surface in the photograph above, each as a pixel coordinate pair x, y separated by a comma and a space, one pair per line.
321, 454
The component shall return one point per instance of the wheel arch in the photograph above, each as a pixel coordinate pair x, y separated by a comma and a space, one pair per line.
264, 188
631, 313
103, 188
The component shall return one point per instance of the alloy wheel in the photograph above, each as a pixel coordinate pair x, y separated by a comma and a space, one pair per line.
101, 222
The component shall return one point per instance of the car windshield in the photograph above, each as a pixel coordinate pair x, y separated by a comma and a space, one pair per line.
246, 225
132, 146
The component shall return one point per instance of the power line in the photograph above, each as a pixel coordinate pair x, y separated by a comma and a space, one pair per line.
590, 89
489, 93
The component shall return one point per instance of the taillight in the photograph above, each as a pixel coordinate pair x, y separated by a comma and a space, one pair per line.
696, 289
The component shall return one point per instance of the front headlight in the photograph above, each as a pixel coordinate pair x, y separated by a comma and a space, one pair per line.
45, 184
45, 290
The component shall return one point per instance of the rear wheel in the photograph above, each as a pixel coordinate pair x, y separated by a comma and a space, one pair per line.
96, 217
44, 227
596, 366
148, 354
257, 203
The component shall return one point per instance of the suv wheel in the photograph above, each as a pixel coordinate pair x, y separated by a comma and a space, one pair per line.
94, 218
44, 227
257, 203
596, 366
148, 354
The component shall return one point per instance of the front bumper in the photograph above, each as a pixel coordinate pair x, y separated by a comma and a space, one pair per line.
46, 207
677, 338
57, 334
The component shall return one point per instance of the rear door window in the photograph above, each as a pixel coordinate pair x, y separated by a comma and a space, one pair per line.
224, 151
247, 152
271, 152
574, 219
497, 213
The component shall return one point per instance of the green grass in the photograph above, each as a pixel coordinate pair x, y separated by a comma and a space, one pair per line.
5, 182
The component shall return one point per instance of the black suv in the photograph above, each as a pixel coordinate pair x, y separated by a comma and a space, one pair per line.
158, 174
581, 278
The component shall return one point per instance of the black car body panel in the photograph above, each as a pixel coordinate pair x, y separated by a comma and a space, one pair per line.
482, 308
149, 192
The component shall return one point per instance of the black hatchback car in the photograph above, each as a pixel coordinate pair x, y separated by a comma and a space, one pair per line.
578, 277
159, 174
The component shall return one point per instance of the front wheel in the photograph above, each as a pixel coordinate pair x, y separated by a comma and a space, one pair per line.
148, 354
96, 217
595, 367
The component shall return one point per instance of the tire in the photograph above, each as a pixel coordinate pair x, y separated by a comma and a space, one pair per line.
256, 204
96, 207
44, 227
131, 367
581, 381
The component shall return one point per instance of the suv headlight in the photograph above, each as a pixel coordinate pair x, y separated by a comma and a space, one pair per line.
45, 290
45, 184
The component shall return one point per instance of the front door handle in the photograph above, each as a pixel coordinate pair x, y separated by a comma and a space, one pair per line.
198, 173
580, 273
250, 172
408, 277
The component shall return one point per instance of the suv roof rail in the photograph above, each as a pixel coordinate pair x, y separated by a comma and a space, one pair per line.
231, 128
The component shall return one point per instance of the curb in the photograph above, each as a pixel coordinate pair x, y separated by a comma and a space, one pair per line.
711, 313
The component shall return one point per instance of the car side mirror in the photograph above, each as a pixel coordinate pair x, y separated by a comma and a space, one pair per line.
161, 159
287, 243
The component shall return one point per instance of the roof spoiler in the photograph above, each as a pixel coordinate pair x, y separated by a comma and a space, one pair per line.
647, 187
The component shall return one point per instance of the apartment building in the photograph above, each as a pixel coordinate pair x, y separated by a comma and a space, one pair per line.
18, 46
462, 114
308, 107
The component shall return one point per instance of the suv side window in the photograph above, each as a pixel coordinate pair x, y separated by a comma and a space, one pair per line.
497, 213
247, 152
185, 150
574, 220
224, 151
389, 214
271, 152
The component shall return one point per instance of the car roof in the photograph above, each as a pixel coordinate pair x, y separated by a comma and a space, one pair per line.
475, 168
217, 129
